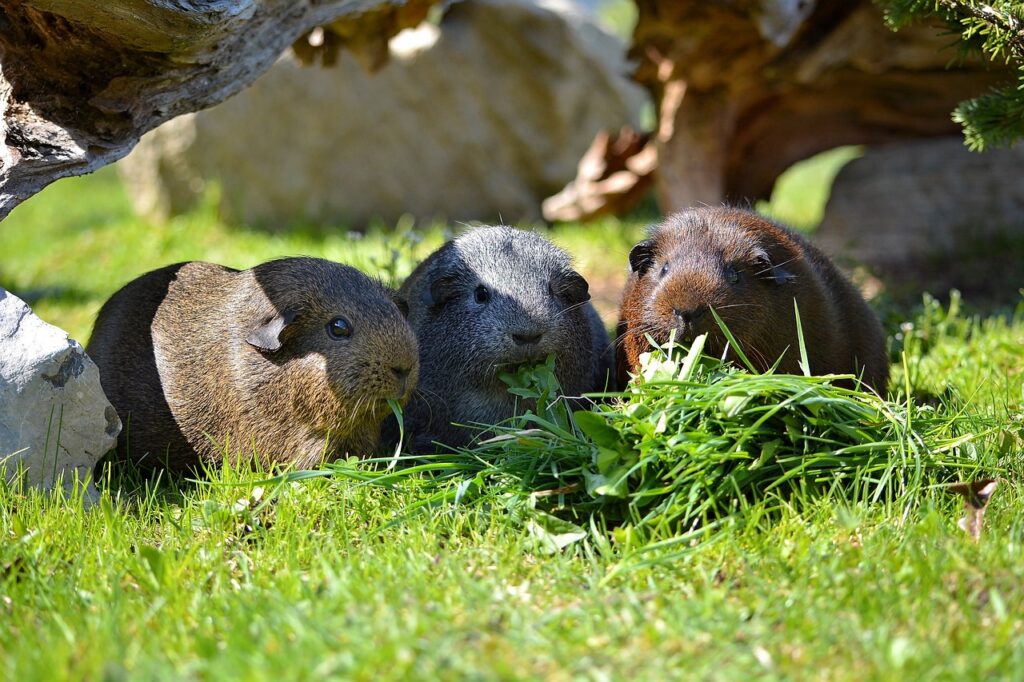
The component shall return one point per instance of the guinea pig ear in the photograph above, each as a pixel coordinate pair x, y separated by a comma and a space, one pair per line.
442, 290
641, 257
266, 336
765, 268
571, 287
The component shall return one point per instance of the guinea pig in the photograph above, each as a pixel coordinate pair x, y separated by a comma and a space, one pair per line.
292, 360
749, 270
485, 302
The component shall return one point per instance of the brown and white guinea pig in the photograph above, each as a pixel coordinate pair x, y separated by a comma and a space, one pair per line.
491, 299
293, 360
749, 270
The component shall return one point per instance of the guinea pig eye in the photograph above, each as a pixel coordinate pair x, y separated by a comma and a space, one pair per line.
732, 275
339, 328
664, 269
482, 294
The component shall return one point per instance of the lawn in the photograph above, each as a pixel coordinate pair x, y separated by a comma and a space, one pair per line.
334, 577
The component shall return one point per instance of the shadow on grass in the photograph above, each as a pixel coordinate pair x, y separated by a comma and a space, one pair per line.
68, 295
985, 274
122, 478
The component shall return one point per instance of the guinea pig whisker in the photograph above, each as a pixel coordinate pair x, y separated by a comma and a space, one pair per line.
616, 341
423, 392
648, 328
775, 265
572, 307
422, 396
350, 419
760, 360
427, 394
738, 305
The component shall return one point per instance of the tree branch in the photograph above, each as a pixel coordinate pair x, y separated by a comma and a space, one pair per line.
80, 82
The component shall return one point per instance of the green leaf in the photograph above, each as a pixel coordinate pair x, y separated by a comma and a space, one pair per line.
732, 405
550, 533
396, 408
607, 459
607, 485
153, 566
692, 359
596, 428
768, 451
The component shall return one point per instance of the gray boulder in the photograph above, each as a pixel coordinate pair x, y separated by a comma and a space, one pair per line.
922, 202
478, 118
55, 422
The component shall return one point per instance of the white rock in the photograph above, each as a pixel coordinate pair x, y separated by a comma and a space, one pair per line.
55, 422
479, 118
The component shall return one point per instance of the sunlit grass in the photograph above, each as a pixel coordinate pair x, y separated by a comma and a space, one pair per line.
801, 192
357, 578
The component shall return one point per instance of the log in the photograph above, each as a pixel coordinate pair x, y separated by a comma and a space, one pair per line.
745, 88
80, 82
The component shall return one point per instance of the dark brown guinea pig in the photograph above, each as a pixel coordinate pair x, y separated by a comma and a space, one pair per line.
749, 270
293, 360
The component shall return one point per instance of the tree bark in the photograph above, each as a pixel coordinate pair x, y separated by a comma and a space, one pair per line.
745, 88
80, 82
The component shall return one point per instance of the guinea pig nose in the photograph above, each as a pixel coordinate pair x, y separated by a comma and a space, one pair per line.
691, 315
527, 339
401, 372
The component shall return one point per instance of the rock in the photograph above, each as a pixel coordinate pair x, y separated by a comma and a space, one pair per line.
55, 422
478, 118
917, 202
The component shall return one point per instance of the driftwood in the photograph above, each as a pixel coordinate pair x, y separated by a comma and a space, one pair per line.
613, 175
745, 88
80, 82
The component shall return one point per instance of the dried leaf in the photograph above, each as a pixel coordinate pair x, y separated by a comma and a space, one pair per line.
976, 495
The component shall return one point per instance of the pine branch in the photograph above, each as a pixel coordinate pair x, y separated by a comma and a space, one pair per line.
1003, 22
995, 119
996, 29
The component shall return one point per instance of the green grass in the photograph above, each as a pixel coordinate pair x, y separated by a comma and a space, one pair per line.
193, 584
801, 193
693, 448
354, 579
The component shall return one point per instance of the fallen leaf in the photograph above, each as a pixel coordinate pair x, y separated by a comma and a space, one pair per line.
976, 495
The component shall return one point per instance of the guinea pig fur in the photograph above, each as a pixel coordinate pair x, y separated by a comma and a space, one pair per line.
749, 270
492, 299
293, 360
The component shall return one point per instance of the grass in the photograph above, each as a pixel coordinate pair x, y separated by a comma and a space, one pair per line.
801, 193
358, 579
693, 448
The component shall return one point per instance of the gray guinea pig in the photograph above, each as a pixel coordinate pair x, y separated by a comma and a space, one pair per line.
293, 359
491, 299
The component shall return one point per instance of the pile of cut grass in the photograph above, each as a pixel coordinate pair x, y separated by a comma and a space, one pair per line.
695, 446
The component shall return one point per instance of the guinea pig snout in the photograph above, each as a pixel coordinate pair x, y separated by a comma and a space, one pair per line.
527, 343
527, 337
690, 315
392, 376
400, 373
688, 322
